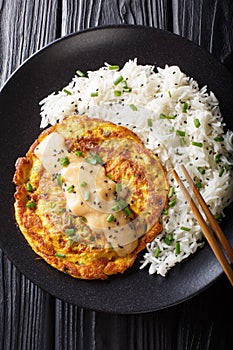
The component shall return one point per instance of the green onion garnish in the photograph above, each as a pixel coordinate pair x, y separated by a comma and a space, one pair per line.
221, 171
165, 212
201, 170
80, 73
172, 203
110, 218
29, 187
116, 208
180, 133
185, 107
171, 192
106, 132
70, 189
60, 255
156, 253
117, 92
164, 116
184, 228
228, 167
217, 217
133, 107
219, 139
79, 153
94, 159
169, 93
218, 158
149, 122
69, 231
199, 185
122, 203
169, 239
87, 195
118, 80
118, 187
59, 180
94, 94
127, 211
197, 123
127, 89
67, 92
177, 248
64, 161
31, 205
182, 141
83, 184
113, 67
197, 144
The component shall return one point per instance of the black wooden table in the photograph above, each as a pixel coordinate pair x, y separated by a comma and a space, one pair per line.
29, 317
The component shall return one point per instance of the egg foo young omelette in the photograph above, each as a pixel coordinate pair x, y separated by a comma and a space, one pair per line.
89, 196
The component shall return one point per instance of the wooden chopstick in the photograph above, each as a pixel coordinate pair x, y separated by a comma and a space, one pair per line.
204, 227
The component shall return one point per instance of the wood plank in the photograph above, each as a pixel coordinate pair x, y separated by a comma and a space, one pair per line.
83, 14
209, 23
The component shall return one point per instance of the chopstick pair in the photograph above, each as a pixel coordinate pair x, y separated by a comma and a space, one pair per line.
205, 228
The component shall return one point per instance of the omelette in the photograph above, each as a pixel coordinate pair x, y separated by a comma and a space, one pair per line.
89, 197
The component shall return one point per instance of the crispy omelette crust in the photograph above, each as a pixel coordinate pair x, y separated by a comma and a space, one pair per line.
45, 220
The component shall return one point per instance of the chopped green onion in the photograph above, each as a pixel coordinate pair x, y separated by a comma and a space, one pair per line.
127, 211
201, 170
169, 239
59, 180
79, 153
106, 132
228, 167
127, 89
197, 144
94, 159
69, 231
110, 218
80, 73
31, 205
124, 84
53, 205
87, 195
67, 92
113, 67
185, 107
164, 116
172, 129
177, 248
83, 184
169, 93
64, 161
184, 228
133, 107
180, 132
116, 208
171, 192
219, 139
118, 80
149, 122
218, 158
60, 255
199, 185
122, 203
221, 171
117, 92
29, 187
156, 253
165, 212
217, 217
182, 141
172, 203
70, 189
118, 187
94, 94
197, 123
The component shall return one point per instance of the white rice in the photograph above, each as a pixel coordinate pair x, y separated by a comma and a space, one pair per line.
155, 93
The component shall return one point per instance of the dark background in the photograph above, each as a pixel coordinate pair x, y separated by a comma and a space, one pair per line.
29, 317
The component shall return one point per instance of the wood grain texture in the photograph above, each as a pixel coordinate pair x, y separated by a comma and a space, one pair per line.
30, 318
209, 23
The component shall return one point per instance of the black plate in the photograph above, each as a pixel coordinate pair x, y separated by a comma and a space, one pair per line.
49, 70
